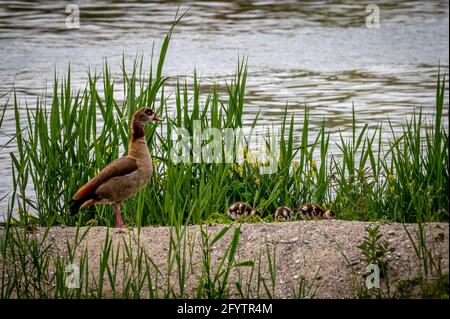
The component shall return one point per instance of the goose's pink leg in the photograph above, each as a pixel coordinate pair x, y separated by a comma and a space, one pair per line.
119, 220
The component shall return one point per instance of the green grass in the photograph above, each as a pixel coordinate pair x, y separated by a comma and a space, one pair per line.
64, 143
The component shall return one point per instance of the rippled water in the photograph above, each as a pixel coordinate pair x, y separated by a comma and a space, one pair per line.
319, 52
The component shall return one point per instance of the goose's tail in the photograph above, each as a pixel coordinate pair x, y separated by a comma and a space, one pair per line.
85, 197
75, 205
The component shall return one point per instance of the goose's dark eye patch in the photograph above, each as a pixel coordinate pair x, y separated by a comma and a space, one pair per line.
149, 112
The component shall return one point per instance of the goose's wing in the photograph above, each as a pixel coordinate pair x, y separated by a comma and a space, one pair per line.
121, 166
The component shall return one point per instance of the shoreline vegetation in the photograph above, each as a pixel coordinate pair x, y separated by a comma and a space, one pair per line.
406, 183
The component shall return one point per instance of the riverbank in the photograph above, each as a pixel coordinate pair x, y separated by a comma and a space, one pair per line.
323, 256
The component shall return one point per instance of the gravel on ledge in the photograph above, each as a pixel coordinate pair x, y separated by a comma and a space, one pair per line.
324, 252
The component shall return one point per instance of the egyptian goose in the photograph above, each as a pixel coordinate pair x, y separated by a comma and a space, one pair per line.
122, 178
283, 213
241, 209
308, 211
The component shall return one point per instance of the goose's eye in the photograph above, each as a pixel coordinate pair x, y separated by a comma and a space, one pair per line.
148, 112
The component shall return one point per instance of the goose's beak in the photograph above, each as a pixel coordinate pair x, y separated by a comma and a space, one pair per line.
157, 118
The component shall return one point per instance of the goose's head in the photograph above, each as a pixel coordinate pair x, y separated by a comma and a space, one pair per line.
255, 212
145, 115
329, 214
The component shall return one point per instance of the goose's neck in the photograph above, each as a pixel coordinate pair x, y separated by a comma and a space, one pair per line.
137, 130
138, 147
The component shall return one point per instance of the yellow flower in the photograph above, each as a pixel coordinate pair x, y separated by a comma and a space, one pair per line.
392, 189
240, 170
391, 178
296, 165
313, 164
256, 180
236, 168
255, 164
244, 152
156, 162
249, 158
